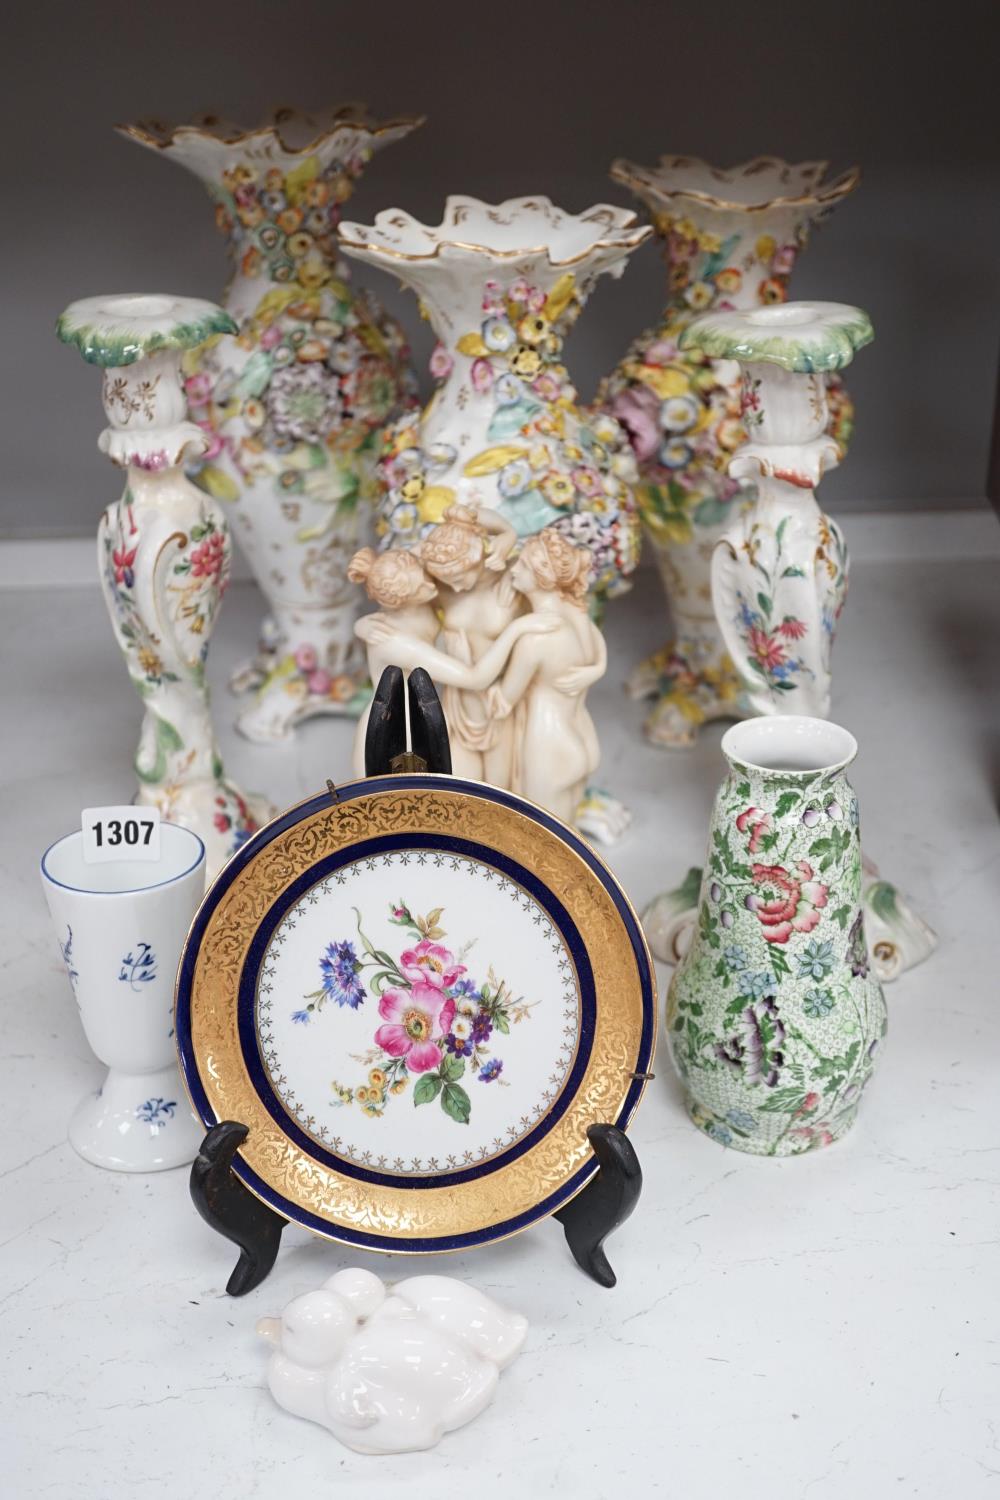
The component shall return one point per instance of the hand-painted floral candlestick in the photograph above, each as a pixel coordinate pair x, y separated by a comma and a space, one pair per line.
293, 406
774, 1014
730, 239
779, 575
163, 551
502, 285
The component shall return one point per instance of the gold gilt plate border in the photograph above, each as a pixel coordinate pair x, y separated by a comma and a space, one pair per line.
368, 1209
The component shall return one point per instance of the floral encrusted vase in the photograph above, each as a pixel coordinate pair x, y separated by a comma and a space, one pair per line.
775, 1017
779, 574
293, 406
163, 552
502, 285
730, 240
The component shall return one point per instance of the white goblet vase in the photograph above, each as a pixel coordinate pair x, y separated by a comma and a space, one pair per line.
121, 927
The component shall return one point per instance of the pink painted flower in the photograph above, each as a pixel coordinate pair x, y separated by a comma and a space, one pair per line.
758, 822
306, 659
662, 352
492, 298
215, 442
481, 375
587, 480
441, 364
792, 629
415, 1021
270, 337
198, 388
208, 557
318, 682
430, 963
764, 649
536, 299
520, 291
638, 410
786, 902
547, 387
123, 559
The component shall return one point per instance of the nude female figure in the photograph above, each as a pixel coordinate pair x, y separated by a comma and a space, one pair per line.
545, 684
402, 633
466, 554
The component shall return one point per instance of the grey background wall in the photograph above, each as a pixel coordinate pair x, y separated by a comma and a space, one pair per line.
521, 96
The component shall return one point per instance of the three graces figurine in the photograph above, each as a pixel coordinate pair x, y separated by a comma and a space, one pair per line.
510, 644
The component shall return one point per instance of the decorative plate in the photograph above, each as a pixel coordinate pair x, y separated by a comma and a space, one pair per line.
417, 997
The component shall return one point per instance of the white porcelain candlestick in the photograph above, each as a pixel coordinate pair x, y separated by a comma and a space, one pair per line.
779, 576
163, 553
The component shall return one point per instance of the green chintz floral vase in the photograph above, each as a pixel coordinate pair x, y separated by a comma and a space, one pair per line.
775, 1017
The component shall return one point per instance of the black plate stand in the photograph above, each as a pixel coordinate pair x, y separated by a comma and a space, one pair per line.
228, 1205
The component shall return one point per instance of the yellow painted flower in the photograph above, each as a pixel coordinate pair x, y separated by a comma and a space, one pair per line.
316, 193
376, 1078
533, 328
686, 228
313, 272
525, 361
558, 489
300, 244
699, 295
765, 246
254, 413
539, 457
573, 453
149, 662
411, 489
251, 215
710, 243
399, 1086
341, 187
311, 350
729, 434
362, 1095
671, 382
729, 280
606, 429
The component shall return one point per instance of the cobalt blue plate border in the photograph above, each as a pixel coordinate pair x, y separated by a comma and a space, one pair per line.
246, 1020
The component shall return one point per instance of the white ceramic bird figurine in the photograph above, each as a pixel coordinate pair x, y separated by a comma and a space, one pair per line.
390, 1371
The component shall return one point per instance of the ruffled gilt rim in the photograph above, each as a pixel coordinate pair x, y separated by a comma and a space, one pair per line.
829, 346
113, 342
161, 135
640, 180
630, 234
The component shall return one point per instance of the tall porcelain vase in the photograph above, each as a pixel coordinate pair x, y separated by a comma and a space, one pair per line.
293, 406
774, 1014
163, 553
779, 575
730, 240
502, 285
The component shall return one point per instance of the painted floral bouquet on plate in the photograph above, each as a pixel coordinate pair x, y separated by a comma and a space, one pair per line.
439, 1026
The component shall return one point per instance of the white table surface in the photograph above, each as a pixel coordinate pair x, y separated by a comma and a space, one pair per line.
819, 1327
